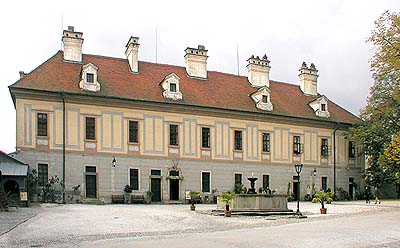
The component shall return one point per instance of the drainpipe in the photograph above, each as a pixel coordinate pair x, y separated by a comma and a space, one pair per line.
63, 149
334, 158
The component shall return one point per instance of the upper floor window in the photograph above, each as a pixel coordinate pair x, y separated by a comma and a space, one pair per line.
352, 150
41, 124
323, 107
173, 135
266, 142
133, 132
262, 98
205, 137
324, 147
296, 145
43, 174
90, 128
89, 77
265, 99
320, 107
238, 140
172, 87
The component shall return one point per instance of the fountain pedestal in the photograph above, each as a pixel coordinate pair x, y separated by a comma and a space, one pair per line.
252, 190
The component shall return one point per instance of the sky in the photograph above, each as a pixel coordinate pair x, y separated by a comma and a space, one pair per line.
330, 34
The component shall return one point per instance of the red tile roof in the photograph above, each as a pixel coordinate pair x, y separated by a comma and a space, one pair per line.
220, 90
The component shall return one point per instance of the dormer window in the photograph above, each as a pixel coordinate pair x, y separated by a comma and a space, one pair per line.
320, 107
262, 98
89, 78
171, 88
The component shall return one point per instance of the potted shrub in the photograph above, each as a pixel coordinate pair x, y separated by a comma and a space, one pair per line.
227, 198
193, 196
127, 193
323, 197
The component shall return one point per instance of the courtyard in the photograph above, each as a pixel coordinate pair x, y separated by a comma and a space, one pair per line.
347, 224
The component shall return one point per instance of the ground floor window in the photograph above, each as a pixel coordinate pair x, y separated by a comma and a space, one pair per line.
134, 179
238, 179
205, 182
324, 183
43, 174
265, 182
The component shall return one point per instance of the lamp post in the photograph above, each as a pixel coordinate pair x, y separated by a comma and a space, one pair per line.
114, 162
298, 168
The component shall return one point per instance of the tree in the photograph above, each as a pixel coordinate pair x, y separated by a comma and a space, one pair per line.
381, 117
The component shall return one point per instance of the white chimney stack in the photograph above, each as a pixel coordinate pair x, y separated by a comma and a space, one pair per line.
132, 53
308, 79
258, 71
72, 42
196, 62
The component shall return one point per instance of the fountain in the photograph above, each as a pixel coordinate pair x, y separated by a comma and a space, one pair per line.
252, 203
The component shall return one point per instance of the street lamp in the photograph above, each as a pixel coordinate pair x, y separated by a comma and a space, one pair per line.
314, 173
114, 162
298, 168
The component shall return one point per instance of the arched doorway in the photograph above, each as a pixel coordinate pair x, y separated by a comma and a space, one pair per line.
11, 187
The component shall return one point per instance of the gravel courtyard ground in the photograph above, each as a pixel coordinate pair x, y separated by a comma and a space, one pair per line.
50, 225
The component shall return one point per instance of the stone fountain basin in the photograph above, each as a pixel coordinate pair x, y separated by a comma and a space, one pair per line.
256, 202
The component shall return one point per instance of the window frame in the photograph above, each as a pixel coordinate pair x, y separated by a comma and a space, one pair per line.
234, 178
134, 130
40, 180
173, 136
269, 181
91, 76
265, 97
174, 88
266, 143
324, 183
296, 145
86, 128
40, 130
324, 147
209, 181
323, 107
238, 141
352, 150
206, 139
130, 178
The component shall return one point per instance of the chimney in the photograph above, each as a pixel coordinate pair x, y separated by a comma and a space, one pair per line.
132, 53
72, 42
22, 74
308, 79
196, 62
258, 71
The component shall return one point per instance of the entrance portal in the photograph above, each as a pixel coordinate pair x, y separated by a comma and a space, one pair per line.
174, 189
91, 186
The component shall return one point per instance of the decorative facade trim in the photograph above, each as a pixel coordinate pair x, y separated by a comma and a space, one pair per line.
89, 78
320, 107
171, 88
262, 98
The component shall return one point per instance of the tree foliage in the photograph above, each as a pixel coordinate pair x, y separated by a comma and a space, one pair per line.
381, 117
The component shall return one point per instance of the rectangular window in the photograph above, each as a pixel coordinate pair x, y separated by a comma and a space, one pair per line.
205, 137
324, 147
155, 172
324, 183
89, 77
41, 124
43, 174
266, 142
90, 169
172, 87
238, 178
352, 150
173, 135
323, 107
266, 182
296, 145
265, 99
90, 128
134, 179
133, 131
238, 140
205, 182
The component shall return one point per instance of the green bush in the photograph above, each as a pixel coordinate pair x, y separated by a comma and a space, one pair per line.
323, 197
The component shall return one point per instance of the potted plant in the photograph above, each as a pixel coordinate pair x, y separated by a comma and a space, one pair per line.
127, 193
193, 196
227, 198
323, 197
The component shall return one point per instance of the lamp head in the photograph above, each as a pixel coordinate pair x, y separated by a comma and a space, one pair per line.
298, 168
114, 162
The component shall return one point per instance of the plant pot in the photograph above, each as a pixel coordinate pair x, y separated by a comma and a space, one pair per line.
323, 210
192, 207
227, 213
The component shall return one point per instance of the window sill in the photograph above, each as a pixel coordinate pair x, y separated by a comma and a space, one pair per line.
90, 141
133, 143
173, 146
206, 148
266, 152
237, 150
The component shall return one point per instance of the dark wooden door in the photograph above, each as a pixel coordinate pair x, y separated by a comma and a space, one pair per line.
174, 189
91, 186
296, 188
156, 189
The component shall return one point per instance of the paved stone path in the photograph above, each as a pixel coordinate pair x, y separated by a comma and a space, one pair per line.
74, 225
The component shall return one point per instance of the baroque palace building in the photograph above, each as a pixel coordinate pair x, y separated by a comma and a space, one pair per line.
103, 123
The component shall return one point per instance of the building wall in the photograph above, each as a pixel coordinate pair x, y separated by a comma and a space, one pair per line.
153, 150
